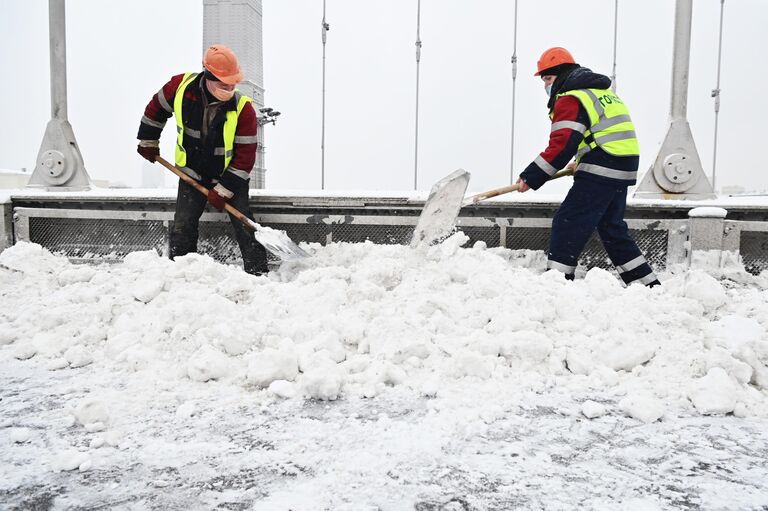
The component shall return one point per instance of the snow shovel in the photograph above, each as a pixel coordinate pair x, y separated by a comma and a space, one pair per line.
441, 209
276, 242
438, 218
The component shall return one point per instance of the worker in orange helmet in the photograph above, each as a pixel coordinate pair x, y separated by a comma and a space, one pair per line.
591, 123
216, 145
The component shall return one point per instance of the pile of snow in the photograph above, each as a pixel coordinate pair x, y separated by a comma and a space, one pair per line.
357, 319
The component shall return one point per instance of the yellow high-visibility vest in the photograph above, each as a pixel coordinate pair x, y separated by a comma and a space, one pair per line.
230, 123
610, 126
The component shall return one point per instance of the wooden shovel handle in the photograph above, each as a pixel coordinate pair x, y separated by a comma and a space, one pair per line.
567, 171
200, 188
492, 193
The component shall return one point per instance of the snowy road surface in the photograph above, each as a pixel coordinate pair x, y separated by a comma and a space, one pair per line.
377, 377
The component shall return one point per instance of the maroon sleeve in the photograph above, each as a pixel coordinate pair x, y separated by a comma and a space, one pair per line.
158, 110
569, 121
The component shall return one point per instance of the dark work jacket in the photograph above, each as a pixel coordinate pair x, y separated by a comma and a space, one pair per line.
564, 142
201, 156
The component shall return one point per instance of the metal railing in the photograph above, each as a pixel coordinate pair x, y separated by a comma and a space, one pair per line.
107, 230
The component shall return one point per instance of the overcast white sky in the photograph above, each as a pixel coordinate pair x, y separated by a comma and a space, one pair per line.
119, 56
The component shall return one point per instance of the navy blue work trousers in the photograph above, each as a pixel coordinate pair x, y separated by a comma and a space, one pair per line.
190, 205
592, 205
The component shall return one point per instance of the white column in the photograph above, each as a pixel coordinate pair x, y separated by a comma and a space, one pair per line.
238, 24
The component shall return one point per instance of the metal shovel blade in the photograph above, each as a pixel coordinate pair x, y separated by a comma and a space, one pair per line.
277, 242
438, 218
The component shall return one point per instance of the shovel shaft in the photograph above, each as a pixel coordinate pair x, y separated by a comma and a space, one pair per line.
567, 171
490, 193
200, 188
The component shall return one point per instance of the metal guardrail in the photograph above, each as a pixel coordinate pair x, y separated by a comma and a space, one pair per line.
751, 238
105, 231
84, 235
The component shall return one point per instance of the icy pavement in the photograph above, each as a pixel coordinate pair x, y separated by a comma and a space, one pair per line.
375, 377
396, 451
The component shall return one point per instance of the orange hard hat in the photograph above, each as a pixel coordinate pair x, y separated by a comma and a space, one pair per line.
222, 63
553, 57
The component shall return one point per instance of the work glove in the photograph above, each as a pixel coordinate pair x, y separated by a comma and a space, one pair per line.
218, 196
149, 149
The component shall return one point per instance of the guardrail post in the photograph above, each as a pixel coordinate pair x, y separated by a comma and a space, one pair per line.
705, 237
6, 223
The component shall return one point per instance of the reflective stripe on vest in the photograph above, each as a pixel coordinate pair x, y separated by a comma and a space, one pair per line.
230, 124
610, 128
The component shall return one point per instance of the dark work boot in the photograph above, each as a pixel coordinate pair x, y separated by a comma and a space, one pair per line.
255, 268
254, 254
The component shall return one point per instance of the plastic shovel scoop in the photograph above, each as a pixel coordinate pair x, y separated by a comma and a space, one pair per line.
438, 217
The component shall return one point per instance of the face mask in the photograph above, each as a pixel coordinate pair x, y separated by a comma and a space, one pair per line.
548, 90
218, 92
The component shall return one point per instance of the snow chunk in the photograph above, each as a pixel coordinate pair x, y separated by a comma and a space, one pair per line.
643, 407
24, 351
75, 274
70, 460
470, 363
602, 284
592, 409
90, 411
78, 356
143, 259
283, 388
32, 259
234, 342
627, 355
745, 340
95, 427
20, 435
57, 363
207, 363
530, 348
330, 341
579, 361
145, 290
718, 357
270, 365
704, 289
707, 212
714, 394
324, 384
448, 247
185, 410
8, 334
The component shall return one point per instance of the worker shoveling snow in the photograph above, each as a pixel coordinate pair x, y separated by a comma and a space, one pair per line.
477, 336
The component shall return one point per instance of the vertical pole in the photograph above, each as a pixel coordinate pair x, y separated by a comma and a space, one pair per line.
681, 59
324, 35
677, 171
418, 61
514, 90
58, 47
615, 39
716, 94
59, 162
